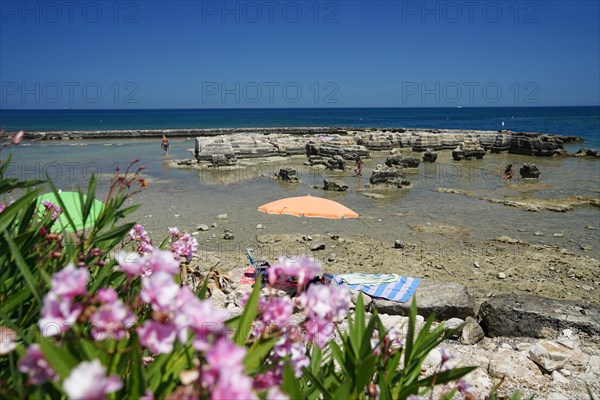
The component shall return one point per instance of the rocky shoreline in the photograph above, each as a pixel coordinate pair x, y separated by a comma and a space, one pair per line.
419, 139
537, 345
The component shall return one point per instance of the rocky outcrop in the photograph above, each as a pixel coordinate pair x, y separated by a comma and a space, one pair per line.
444, 299
533, 316
335, 145
543, 145
233, 146
334, 186
587, 153
529, 171
288, 175
404, 162
468, 150
316, 160
336, 163
391, 176
374, 141
429, 156
293, 140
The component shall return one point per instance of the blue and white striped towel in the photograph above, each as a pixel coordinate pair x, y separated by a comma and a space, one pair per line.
400, 291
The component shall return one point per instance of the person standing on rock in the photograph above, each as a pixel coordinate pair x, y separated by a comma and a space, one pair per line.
164, 144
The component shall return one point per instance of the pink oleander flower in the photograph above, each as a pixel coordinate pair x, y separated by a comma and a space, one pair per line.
223, 373
8, 341
375, 343
140, 236
233, 387
206, 321
395, 338
112, 319
463, 386
446, 355
88, 381
275, 393
303, 269
70, 282
107, 295
267, 380
35, 364
225, 357
165, 261
2, 207
276, 310
134, 264
319, 331
326, 302
148, 395
296, 352
53, 208
159, 290
157, 337
183, 244
58, 314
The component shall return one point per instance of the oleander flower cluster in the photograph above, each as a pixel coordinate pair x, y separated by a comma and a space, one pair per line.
302, 270
182, 244
140, 237
52, 208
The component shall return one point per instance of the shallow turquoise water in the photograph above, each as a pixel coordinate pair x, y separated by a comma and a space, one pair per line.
197, 197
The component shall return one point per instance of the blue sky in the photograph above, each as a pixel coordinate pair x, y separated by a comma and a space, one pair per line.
214, 54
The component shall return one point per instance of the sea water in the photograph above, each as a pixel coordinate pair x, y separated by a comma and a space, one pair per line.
188, 197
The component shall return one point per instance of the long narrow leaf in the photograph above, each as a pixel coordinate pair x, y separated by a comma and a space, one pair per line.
257, 354
16, 208
247, 317
115, 233
23, 267
61, 361
62, 205
290, 383
322, 386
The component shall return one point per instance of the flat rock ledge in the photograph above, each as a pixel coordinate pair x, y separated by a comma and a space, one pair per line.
538, 317
445, 299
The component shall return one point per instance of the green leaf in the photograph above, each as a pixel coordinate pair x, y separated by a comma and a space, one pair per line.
15, 300
60, 360
129, 210
115, 233
203, 289
257, 354
290, 384
23, 267
15, 208
322, 386
439, 378
247, 317
89, 200
365, 373
137, 387
61, 203
337, 353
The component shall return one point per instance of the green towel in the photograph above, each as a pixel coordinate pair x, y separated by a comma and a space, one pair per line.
368, 279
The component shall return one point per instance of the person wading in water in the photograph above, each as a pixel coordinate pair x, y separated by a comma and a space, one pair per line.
164, 144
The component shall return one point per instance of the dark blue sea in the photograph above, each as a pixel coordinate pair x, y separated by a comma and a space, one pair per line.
583, 122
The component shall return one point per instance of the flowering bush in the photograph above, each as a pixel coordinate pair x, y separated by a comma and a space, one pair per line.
87, 318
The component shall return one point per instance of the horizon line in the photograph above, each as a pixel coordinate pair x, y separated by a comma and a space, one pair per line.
290, 108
